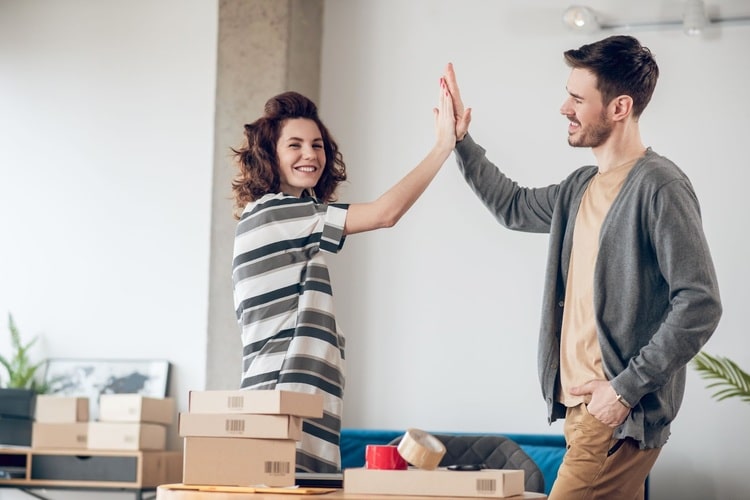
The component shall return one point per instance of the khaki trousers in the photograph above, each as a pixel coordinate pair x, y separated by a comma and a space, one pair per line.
598, 466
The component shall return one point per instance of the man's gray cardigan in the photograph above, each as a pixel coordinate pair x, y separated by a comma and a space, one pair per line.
656, 297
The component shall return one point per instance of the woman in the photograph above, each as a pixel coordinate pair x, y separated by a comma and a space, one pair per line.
289, 169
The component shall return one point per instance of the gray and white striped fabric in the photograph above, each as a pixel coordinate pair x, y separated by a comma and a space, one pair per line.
284, 305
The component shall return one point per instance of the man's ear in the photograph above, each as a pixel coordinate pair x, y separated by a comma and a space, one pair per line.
621, 107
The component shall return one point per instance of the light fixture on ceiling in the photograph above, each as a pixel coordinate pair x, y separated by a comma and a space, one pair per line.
694, 17
581, 18
694, 20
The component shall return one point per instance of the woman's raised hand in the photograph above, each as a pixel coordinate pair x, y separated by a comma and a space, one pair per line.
445, 120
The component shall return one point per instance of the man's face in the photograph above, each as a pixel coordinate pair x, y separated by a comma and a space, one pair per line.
589, 126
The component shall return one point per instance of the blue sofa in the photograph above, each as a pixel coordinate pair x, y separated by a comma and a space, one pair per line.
546, 450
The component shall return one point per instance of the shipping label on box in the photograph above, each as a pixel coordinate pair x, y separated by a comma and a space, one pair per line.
61, 409
127, 436
136, 408
239, 461
490, 483
53, 435
261, 401
240, 425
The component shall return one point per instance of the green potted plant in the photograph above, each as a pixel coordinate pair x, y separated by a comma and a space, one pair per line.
18, 389
725, 375
21, 371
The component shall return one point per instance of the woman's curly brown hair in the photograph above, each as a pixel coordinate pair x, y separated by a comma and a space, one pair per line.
257, 160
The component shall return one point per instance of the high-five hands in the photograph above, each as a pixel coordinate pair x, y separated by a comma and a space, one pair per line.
445, 122
463, 115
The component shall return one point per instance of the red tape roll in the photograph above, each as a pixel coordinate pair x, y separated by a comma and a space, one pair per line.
379, 456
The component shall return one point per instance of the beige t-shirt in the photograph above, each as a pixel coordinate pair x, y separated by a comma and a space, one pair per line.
580, 354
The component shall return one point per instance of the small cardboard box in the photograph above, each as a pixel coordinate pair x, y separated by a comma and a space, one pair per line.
136, 408
54, 435
61, 409
127, 436
299, 404
240, 425
489, 483
239, 461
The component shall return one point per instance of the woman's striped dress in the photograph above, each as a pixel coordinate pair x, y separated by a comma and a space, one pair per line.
284, 305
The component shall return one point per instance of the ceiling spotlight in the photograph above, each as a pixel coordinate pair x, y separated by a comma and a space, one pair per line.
694, 21
580, 18
694, 17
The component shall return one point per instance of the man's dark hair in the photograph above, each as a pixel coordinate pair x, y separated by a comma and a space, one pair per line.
622, 66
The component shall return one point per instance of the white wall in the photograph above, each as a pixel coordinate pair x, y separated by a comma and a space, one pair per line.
106, 130
442, 312
106, 156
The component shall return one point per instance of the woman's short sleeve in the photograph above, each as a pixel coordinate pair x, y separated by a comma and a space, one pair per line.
333, 236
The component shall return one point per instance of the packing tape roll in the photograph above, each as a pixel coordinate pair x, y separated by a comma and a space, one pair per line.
384, 457
421, 449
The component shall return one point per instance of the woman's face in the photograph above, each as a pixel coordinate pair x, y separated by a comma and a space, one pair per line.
301, 155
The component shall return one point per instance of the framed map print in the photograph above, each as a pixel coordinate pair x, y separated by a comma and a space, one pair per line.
93, 377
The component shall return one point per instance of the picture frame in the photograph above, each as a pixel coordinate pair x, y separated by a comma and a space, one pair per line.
91, 378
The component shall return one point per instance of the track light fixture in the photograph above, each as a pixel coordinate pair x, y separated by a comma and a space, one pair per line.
694, 20
694, 17
581, 18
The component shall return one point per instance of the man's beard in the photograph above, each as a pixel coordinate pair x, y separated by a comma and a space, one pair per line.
593, 135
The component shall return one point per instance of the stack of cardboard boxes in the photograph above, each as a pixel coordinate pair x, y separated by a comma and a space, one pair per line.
61, 422
244, 438
131, 422
126, 422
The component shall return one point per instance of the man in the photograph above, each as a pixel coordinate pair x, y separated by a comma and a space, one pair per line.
630, 291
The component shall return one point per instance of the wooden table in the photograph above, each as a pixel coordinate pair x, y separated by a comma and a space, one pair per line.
167, 492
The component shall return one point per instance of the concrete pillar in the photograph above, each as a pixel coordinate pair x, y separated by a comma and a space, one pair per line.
265, 47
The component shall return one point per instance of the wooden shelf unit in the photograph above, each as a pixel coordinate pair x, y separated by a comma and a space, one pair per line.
41, 467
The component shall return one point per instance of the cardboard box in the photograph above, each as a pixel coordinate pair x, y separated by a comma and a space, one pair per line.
489, 483
136, 408
127, 436
240, 425
261, 401
239, 461
54, 435
61, 409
